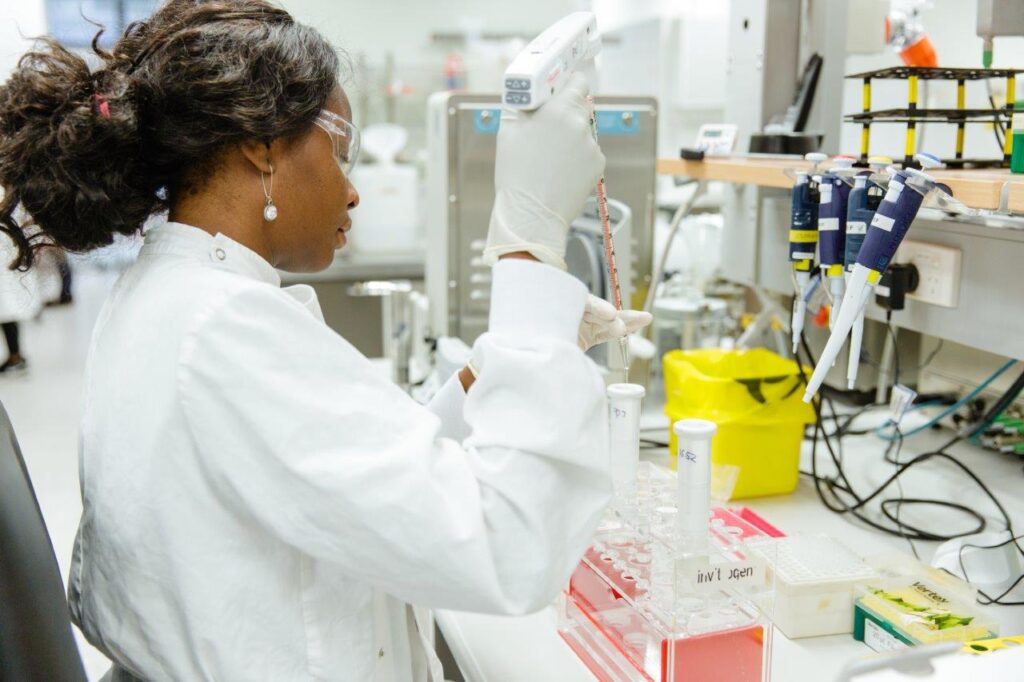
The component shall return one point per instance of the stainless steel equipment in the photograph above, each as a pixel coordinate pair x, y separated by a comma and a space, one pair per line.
396, 323
461, 131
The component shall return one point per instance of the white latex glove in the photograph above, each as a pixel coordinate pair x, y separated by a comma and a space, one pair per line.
547, 164
602, 322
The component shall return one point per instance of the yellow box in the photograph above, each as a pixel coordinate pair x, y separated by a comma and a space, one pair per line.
754, 396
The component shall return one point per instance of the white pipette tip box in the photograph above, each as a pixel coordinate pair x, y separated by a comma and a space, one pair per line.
816, 579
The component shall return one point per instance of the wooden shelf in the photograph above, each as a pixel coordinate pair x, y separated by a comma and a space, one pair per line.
979, 188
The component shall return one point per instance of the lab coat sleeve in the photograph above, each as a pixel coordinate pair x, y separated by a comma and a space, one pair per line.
296, 430
449, 405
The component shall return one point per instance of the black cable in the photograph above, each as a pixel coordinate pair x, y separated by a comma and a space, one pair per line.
931, 356
839, 486
997, 125
895, 350
988, 599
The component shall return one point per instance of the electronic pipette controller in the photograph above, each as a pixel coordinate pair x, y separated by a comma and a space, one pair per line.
543, 68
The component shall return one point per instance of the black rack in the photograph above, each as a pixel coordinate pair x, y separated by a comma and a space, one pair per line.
911, 116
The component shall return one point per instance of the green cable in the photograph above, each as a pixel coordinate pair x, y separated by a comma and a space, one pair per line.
880, 431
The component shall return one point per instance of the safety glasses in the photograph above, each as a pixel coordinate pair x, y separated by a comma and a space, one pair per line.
344, 138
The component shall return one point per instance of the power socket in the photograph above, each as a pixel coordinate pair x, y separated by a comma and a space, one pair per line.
939, 269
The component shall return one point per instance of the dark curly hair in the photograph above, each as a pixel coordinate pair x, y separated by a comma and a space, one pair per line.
93, 153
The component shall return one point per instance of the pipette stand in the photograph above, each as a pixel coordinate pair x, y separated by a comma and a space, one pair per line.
639, 608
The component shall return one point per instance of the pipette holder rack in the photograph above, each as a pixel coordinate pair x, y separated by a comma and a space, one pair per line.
913, 115
641, 607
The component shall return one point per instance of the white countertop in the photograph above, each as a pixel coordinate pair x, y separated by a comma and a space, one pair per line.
529, 648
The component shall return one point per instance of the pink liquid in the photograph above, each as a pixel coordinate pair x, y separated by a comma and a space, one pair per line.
734, 655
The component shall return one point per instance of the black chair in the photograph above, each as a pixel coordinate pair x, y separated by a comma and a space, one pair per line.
36, 641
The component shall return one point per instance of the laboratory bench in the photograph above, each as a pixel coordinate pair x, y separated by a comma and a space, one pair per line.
529, 648
981, 188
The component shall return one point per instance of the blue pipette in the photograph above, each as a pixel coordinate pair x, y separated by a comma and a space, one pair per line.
834, 192
803, 240
861, 205
885, 232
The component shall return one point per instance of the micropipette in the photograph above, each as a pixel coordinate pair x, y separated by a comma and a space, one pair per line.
834, 192
886, 231
803, 239
863, 201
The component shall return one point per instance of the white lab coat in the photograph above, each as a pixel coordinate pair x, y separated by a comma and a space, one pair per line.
259, 504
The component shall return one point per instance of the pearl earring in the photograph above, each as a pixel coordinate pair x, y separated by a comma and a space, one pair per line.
270, 210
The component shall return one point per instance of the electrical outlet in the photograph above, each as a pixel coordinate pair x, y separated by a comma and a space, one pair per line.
939, 270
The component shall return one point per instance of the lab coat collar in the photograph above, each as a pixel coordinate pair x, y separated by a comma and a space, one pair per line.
222, 251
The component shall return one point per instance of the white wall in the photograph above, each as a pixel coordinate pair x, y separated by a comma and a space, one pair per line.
19, 20
951, 25
403, 27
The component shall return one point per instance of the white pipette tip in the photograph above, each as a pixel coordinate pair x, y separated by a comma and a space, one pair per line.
857, 293
853, 362
797, 325
624, 349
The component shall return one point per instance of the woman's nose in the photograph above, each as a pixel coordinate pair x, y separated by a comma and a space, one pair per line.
353, 196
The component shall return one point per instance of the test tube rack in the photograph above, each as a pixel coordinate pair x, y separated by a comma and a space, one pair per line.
639, 608
913, 115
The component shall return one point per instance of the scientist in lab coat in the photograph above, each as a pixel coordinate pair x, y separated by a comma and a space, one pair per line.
259, 504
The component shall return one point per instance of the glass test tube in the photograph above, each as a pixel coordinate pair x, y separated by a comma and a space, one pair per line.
693, 491
624, 403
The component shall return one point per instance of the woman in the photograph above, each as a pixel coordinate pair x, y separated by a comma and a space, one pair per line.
258, 502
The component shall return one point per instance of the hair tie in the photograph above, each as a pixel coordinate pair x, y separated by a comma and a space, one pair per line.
102, 104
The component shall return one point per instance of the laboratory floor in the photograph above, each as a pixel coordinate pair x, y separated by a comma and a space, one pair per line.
44, 406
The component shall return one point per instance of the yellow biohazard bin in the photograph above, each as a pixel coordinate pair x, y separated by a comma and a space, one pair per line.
754, 396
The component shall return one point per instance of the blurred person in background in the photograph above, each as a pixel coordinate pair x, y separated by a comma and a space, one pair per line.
20, 300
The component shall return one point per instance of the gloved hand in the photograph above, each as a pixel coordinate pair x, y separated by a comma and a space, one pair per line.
602, 322
547, 164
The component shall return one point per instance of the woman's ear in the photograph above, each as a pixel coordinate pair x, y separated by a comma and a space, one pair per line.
259, 155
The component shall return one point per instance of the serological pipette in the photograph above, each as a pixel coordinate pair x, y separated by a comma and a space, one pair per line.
609, 245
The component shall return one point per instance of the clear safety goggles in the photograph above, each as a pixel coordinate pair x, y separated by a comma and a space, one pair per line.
344, 138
